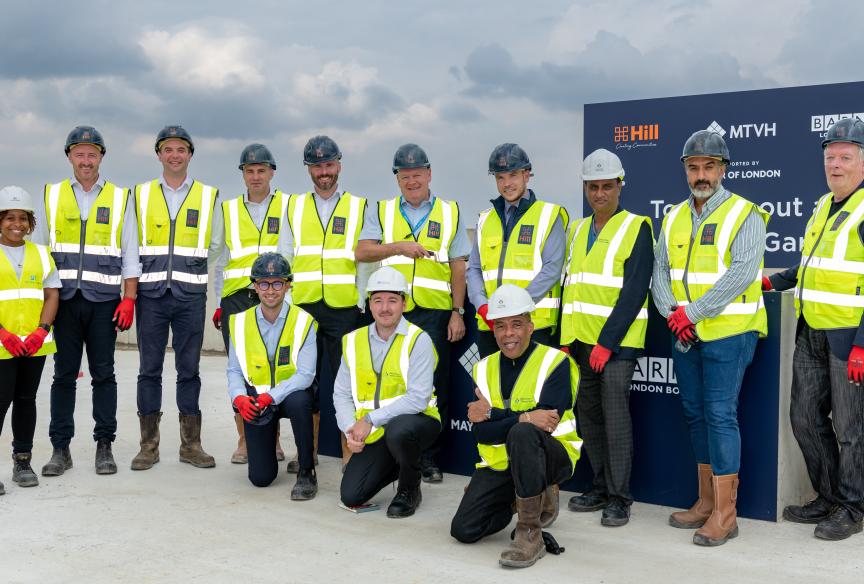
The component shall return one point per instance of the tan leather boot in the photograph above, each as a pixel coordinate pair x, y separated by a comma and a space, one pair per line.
240, 456
527, 546
722, 525
346, 454
696, 516
191, 451
148, 455
549, 513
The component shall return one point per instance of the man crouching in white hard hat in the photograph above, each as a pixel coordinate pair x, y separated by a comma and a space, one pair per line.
383, 399
527, 439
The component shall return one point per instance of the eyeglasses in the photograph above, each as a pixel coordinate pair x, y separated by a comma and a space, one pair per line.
278, 285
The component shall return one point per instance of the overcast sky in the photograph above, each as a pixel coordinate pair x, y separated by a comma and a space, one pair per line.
456, 77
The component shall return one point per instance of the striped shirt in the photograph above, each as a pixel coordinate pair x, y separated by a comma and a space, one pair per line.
747, 251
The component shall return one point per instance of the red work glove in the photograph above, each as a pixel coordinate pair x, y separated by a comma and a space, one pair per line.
681, 326
565, 349
217, 319
124, 314
34, 340
247, 407
599, 357
482, 312
766, 284
264, 400
855, 365
12, 343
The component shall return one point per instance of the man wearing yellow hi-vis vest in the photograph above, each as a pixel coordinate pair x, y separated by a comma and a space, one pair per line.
384, 400
421, 235
707, 281
520, 240
175, 218
827, 408
251, 224
603, 323
526, 433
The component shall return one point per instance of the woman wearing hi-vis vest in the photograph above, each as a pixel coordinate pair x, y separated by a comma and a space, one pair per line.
28, 304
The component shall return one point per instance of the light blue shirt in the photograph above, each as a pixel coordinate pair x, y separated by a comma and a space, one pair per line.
270, 334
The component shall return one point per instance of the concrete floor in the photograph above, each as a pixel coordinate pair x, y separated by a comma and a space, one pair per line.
176, 523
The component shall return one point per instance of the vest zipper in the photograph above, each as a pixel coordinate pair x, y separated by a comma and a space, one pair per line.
376, 400
807, 263
173, 223
83, 240
687, 267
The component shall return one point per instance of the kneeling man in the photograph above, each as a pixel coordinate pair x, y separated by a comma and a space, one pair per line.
526, 433
271, 364
383, 399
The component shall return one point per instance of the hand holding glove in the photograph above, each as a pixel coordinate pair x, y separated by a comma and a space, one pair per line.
12, 343
34, 340
124, 314
217, 319
599, 357
247, 407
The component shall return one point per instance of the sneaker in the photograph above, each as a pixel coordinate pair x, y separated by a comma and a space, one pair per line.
405, 503
812, 512
590, 501
839, 525
616, 513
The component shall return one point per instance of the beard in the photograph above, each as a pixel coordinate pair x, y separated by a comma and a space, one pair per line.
707, 193
321, 185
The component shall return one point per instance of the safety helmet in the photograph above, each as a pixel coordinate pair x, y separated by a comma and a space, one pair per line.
602, 165
256, 154
846, 130
320, 149
387, 279
706, 143
409, 156
507, 158
13, 197
174, 133
509, 300
271, 265
84, 135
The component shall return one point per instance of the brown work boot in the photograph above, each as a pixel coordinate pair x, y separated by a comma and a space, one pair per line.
549, 513
148, 455
722, 525
527, 546
280, 454
696, 516
240, 456
190, 442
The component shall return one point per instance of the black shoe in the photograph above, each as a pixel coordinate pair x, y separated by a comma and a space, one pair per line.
839, 525
104, 459
61, 461
306, 486
590, 501
405, 503
616, 513
22, 473
812, 512
429, 471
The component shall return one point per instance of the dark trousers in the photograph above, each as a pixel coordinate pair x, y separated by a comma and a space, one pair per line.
185, 318
333, 324
486, 344
235, 303
261, 438
20, 379
434, 323
81, 324
394, 455
833, 447
603, 408
536, 460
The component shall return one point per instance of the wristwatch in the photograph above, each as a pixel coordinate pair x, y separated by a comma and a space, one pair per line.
460, 310
46, 327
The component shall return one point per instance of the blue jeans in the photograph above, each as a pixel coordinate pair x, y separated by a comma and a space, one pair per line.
709, 378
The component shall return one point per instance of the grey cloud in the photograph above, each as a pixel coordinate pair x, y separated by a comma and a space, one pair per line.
460, 113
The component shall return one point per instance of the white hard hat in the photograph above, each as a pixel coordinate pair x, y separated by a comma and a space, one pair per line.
602, 165
13, 197
509, 300
387, 279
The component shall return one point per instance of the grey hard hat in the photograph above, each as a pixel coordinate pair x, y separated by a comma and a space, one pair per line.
507, 158
409, 156
176, 133
256, 154
320, 149
846, 130
706, 143
271, 265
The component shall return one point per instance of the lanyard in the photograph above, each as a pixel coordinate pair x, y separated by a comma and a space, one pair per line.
416, 227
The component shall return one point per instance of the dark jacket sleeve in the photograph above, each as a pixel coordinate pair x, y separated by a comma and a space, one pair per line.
637, 280
785, 280
555, 395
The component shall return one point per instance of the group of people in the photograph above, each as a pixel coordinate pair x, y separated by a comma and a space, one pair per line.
375, 293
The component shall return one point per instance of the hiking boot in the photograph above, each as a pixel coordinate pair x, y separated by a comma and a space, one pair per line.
61, 461
405, 503
306, 486
616, 513
812, 512
104, 459
22, 473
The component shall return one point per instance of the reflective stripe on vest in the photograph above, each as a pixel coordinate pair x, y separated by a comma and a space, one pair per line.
371, 390
698, 262
179, 246
94, 265
246, 242
259, 371
324, 266
524, 397
831, 273
594, 280
21, 299
522, 256
429, 279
